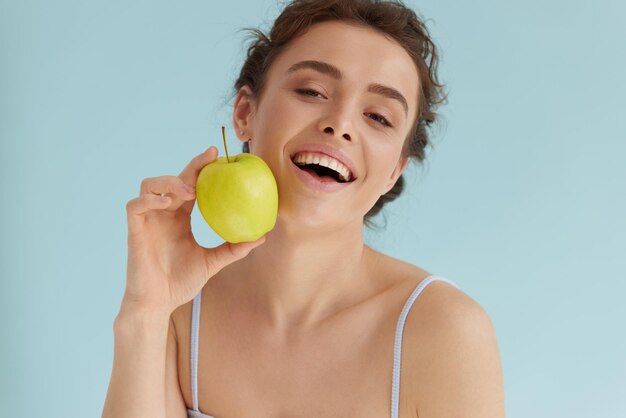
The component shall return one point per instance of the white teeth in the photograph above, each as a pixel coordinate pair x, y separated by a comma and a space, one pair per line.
309, 158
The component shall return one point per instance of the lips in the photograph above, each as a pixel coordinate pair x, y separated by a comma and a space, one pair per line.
316, 183
332, 152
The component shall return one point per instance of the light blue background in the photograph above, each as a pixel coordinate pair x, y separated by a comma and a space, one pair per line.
522, 201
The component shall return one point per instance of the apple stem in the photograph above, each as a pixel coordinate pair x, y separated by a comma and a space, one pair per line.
225, 146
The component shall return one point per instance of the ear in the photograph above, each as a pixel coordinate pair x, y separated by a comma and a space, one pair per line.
397, 172
243, 113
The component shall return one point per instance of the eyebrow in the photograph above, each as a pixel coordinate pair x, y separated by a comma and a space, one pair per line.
334, 72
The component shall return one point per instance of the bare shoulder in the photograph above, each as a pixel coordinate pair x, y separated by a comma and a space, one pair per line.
452, 359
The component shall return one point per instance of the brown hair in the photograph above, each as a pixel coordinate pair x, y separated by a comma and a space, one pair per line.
393, 19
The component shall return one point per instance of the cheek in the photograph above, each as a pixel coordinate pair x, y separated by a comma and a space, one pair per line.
283, 101
279, 117
279, 120
382, 159
276, 123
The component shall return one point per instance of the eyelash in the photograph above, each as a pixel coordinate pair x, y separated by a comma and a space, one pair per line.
376, 117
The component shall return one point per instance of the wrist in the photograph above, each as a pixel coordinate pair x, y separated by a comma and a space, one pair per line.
139, 317
130, 306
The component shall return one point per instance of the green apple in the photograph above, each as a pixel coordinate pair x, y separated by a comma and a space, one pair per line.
238, 196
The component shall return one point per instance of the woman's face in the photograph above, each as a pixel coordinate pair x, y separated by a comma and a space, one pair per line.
340, 90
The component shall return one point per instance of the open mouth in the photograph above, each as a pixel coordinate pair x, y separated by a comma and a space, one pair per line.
326, 169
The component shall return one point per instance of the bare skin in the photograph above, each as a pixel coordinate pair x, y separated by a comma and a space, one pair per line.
341, 367
301, 322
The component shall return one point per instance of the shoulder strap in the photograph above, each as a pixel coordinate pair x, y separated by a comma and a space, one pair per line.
195, 331
397, 349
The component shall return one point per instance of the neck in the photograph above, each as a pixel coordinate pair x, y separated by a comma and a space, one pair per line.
300, 276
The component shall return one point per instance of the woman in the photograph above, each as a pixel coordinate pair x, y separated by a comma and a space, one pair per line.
307, 321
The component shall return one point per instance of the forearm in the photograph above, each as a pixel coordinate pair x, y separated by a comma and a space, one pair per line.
137, 385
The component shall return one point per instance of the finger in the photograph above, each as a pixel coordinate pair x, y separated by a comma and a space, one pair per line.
163, 185
190, 173
219, 257
145, 203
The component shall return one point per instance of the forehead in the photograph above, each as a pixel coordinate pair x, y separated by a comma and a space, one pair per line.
363, 55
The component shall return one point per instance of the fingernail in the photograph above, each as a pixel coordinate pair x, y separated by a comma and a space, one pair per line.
189, 188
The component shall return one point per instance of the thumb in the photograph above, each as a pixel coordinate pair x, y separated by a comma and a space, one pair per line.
219, 257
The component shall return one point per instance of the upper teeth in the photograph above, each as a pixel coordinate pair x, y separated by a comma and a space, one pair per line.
326, 161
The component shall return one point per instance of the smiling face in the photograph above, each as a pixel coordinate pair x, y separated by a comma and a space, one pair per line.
340, 90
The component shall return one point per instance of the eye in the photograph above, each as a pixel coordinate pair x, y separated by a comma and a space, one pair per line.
309, 92
380, 119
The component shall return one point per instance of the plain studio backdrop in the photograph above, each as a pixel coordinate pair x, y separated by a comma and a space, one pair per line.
522, 201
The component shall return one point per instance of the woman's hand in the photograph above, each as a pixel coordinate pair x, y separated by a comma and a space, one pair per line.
166, 266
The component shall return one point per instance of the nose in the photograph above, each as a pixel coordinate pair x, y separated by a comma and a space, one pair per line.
337, 121
331, 131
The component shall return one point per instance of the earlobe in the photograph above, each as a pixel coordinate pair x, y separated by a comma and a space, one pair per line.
243, 113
